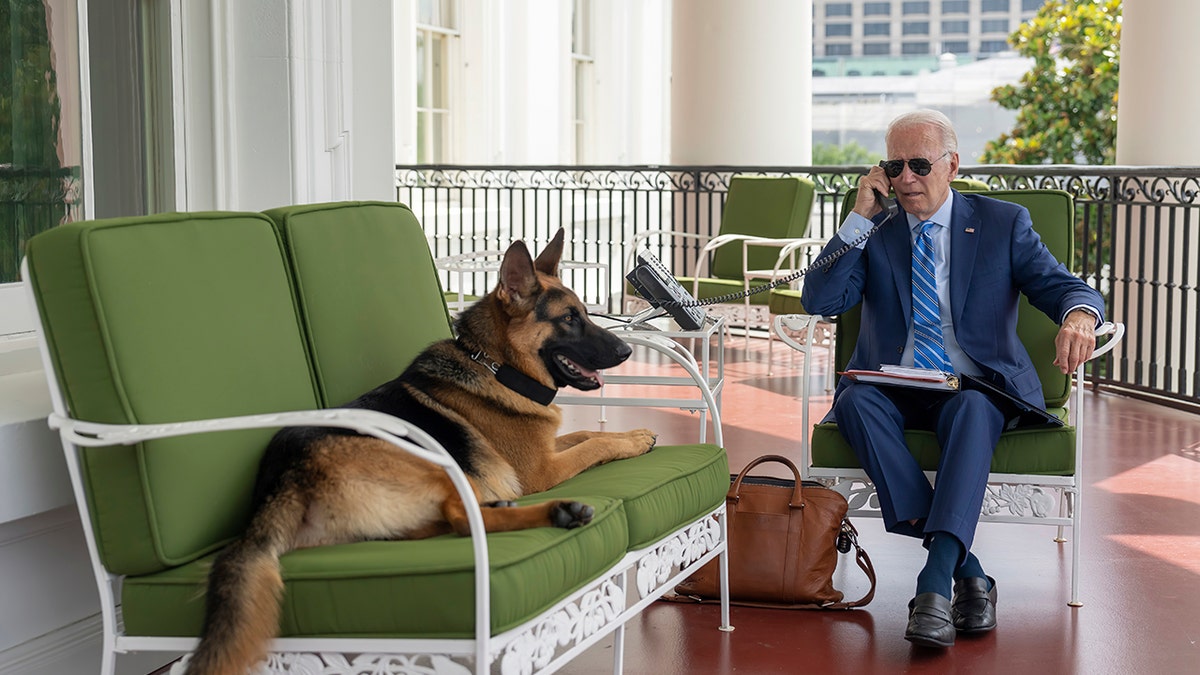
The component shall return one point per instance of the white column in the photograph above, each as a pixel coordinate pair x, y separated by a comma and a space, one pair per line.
1156, 124
741, 82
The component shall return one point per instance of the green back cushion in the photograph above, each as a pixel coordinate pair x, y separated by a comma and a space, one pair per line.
162, 319
368, 291
775, 207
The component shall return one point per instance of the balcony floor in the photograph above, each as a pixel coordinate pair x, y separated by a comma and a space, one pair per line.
1140, 574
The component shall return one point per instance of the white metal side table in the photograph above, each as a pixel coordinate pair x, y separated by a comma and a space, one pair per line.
704, 368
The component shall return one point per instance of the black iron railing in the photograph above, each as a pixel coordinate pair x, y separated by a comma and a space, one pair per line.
1137, 236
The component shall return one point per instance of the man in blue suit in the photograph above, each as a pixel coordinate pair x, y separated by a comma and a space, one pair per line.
939, 287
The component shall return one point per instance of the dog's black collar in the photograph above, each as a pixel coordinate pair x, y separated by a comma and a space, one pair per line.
511, 377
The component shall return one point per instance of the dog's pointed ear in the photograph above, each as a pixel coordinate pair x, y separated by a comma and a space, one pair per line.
518, 280
547, 261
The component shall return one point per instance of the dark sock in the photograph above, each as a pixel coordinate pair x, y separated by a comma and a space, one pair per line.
944, 551
970, 568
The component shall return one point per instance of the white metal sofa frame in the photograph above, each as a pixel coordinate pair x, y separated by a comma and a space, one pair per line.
541, 645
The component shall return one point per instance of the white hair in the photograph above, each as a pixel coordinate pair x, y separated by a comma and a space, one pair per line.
927, 116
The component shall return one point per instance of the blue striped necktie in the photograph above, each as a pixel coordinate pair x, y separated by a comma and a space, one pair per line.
929, 350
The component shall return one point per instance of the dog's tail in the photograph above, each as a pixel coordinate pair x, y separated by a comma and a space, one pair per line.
245, 589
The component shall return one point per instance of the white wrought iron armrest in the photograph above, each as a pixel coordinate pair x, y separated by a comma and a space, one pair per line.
786, 254
1115, 330
474, 261
368, 422
701, 262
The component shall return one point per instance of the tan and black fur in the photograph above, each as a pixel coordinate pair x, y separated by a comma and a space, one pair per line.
319, 486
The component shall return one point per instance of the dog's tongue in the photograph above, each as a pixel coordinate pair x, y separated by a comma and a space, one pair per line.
589, 373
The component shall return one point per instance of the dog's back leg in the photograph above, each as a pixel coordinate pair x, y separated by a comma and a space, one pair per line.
502, 517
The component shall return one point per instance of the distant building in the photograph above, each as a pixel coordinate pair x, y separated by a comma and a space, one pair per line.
858, 108
875, 59
902, 37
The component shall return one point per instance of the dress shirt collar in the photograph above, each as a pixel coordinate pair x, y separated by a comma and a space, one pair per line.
941, 217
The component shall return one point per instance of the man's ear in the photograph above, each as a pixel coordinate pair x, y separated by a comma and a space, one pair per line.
547, 261
518, 280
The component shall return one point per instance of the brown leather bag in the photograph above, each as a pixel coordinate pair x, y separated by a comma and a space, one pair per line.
784, 538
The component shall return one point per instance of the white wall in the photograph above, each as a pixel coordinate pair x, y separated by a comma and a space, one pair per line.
512, 82
286, 102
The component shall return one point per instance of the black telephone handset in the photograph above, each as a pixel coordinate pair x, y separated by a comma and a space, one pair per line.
651, 279
887, 203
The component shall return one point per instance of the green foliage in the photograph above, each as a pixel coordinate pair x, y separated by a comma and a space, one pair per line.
33, 185
1067, 103
829, 154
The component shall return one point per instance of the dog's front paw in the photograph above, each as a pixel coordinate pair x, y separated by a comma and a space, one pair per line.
644, 439
570, 515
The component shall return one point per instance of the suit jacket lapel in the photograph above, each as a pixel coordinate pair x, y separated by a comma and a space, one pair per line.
965, 235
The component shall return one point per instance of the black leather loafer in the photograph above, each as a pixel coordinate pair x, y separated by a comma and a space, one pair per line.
929, 622
973, 609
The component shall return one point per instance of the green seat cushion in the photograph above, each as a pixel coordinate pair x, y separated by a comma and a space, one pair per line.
785, 301
168, 318
419, 588
663, 489
1046, 452
368, 291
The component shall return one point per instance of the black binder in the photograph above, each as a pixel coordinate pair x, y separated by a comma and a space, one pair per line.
1018, 413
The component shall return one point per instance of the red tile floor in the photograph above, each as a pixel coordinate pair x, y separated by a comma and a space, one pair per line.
1140, 575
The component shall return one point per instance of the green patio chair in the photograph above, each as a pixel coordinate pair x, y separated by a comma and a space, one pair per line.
1036, 472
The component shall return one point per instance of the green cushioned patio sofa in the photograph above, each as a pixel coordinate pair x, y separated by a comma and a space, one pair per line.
178, 343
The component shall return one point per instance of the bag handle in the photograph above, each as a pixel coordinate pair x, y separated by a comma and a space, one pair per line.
797, 500
864, 563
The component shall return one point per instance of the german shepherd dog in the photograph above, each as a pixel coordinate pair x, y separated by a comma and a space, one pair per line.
318, 486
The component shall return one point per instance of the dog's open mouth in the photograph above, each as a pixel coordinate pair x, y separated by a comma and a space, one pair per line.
576, 375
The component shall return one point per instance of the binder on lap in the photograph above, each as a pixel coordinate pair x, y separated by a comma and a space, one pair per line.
1018, 413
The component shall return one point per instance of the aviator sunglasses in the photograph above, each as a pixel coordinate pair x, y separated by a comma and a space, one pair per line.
919, 165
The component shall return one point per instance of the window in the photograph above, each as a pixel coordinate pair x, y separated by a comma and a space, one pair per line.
837, 9
909, 8
915, 28
955, 27
837, 30
877, 9
994, 5
955, 47
955, 6
877, 49
994, 26
914, 48
582, 63
837, 50
992, 46
435, 31
1031, 5
877, 29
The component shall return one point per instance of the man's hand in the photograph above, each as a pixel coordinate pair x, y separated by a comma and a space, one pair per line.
865, 203
1076, 340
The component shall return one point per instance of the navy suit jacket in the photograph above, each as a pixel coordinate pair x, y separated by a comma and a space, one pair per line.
994, 255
